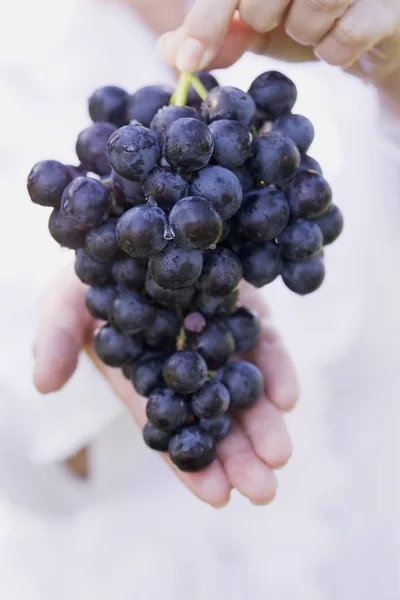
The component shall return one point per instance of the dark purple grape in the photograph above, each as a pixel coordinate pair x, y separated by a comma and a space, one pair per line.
131, 312
89, 270
309, 195
133, 151
209, 82
218, 427
101, 242
215, 344
225, 102
179, 299
143, 105
62, 230
245, 327
274, 158
127, 193
86, 203
305, 277
141, 231
261, 262
232, 143
210, 306
273, 93
165, 186
211, 401
330, 224
222, 272
301, 240
91, 147
167, 410
246, 180
195, 223
245, 383
108, 103
168, 114
185, 372
176, 267
47, 182
264, 215
155, 438
129, 272
114, 348
192, 449
187, 144
298, 128
99, 300
163, 329
310, 164
147, 375
221, 187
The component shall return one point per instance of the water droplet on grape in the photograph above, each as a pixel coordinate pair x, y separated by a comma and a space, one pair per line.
168, 233
213, 246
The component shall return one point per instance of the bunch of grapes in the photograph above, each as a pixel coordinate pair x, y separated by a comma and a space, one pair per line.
177, 197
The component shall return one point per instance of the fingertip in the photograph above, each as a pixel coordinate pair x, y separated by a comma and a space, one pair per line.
167, 46
56, 358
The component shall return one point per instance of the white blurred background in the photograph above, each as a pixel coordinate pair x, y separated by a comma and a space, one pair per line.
132, 530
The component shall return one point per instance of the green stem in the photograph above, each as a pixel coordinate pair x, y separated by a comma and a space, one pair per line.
199, 87
181, 93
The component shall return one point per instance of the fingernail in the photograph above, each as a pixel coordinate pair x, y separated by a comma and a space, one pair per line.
189, 55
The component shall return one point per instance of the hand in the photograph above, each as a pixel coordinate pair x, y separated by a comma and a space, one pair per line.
360, 35
258, 441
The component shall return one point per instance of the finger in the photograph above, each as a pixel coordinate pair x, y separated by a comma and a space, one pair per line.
246, 472
308, 21
262, 16
365, 24
210, 485
197, 42
273, 360
264, 426
381, 61
63, 327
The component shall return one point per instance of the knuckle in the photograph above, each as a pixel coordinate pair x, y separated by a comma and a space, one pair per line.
250, 15
350, 35
327, 6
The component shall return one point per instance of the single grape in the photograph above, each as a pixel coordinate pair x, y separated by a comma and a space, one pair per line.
187, 144
129, 272
167, 410
108, 103
301, 240
195, 223
127, 193
176, 267
141, 231
101, 242
155, 438
225, 102
143, 105
221, 187
133, 151
192, 449
261, 262
222, 272
99, 300
305, 277
209, 82
232, 143
246, 180
89, 270
85, 202
47, 181
114, 348
131, 312
245, 327
165, 186
218, 427
298, 128
163, 329
211, 401
309, 195
244, 382
168, 114
147, 376
215, 344
264, 214
211, 306
273, 93
185, 372
330, 224
274, 158
62, 230
179, 299
91, 147
310, 164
